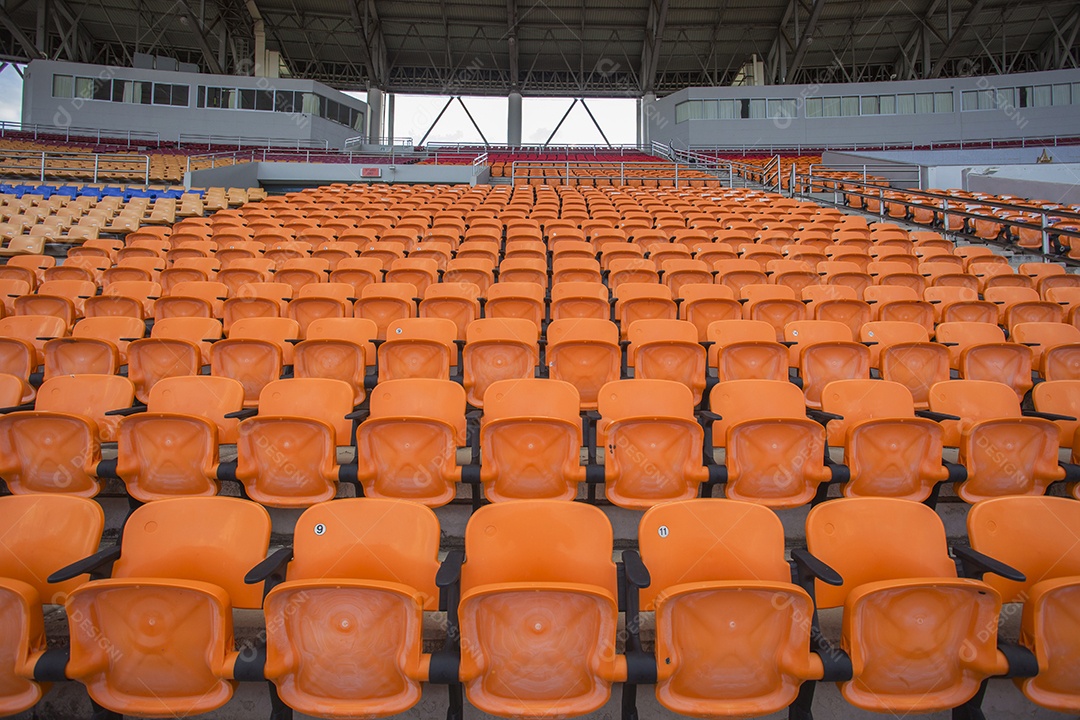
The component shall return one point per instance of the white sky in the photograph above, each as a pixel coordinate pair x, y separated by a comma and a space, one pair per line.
415, 113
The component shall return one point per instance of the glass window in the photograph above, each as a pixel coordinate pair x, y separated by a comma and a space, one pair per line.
1076, 93
162, 94
200, 96
1023, 97
943, 102
694, 107
117, 91
757, 108
312, 104
870, 105
1061, 95
782, 108
708, 110
358, 122
969, 100
987, 100
283, 101
63, 86
264, 100
813, 107
849, 106
84, 87
905, 104
887, 104
247, 99
1042, 96
725, 109
830, 107
180, 95
924, 103
682, 112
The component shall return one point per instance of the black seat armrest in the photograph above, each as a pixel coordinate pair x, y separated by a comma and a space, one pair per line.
975, 564
98, 565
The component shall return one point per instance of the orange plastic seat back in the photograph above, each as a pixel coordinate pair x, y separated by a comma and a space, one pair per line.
407, 448
172, 449
88, 396
163, 579
529, 614
75, 356
825, 362
498, 349
287, 455
961, 335
386, 573
254, 363
385, 302
705, 584
1003, 362
509, 299
579, 300
418, 348
746, 350
418, 272
774, 453
42, 533
652, 442
530, 440
255, 300
278, 331
643, 301
22, 341
1061, 397
584, 352
357, 272
667, 350
922, 639
973, 401
56, 447
703, 304
889, 452
1037, 536
1043, 336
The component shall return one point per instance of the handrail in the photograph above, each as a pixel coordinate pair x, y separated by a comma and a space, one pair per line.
479, 163
242, 142
383, 142
564, 170
961, 144
877, 191
129, 137
46, 163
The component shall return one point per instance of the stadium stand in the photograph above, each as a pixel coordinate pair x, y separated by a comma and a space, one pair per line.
772, 412
715, 356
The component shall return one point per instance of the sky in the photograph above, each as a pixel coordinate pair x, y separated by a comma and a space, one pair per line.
414, 114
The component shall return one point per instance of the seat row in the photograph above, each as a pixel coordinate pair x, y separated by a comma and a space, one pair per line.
645, 441
533, 607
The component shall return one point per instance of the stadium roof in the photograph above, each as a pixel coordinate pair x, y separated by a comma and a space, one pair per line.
583, 48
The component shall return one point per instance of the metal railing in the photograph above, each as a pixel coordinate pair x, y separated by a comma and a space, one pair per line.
479, 164
244, 142
64, 165
353, 142
290, 155
899, 175
961, 144
533, 147
621, 171
732, 168
56, 132
940, 203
